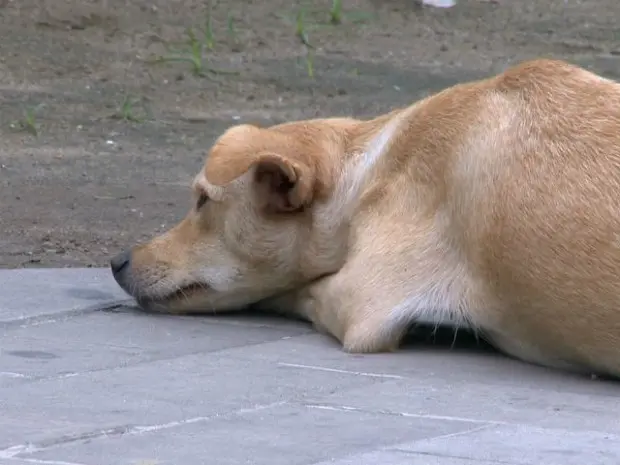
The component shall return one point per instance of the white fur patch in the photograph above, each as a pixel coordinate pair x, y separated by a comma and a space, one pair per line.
356, 172
221, 279
437, 303
442, 292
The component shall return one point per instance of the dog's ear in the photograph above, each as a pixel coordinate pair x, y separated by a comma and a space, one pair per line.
282, 185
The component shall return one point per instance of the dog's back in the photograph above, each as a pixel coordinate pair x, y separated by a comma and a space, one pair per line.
537, 206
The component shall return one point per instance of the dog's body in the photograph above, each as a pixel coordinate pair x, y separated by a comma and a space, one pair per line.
495, 203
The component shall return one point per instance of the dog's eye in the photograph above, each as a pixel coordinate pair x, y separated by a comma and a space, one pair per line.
202, 199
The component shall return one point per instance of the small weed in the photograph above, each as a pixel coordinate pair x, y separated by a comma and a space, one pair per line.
300, 28
310, 62
335, 12
231, 32
312, 18
28, 122
129, 109
194, 54
230, 28
209, 37
337, 16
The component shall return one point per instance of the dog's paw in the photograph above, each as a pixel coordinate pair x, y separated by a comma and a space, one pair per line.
362, 341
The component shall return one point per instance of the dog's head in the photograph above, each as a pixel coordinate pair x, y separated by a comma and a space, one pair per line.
263, 222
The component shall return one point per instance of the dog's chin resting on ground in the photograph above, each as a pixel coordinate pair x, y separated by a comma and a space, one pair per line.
494, 203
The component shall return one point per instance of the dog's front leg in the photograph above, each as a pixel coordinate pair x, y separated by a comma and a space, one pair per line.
361, 320
298, 303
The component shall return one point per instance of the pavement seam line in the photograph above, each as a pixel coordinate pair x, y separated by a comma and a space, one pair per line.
36, 379
62, 315
344, 408
336, 370
16, 451
448, 456
44, 462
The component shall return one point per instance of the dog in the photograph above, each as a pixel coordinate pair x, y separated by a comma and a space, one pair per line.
493, 203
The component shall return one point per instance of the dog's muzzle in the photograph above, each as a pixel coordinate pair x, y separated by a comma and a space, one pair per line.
121, 269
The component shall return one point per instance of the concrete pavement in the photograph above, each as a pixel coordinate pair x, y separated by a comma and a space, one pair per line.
87, 380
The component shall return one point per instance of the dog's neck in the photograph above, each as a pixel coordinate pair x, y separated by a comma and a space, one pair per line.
349, 152
367, 145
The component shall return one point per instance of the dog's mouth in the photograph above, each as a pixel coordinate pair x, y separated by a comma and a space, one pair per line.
188, 291
181, 294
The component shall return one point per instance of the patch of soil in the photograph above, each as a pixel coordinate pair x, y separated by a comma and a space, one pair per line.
120, 134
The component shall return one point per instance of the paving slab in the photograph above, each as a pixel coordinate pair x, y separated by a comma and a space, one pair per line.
33, 294
87, 379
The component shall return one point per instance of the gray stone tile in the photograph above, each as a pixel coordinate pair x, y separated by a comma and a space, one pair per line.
482, 402
152, 393
37, 293
82, 386
98, 340
525, 445
427, 364
281, 434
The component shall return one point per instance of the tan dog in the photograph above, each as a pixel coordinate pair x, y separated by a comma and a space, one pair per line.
495, 203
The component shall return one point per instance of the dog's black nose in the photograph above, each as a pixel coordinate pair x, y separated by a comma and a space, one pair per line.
120, 262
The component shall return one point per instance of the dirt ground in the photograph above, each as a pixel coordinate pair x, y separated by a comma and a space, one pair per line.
120, 133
